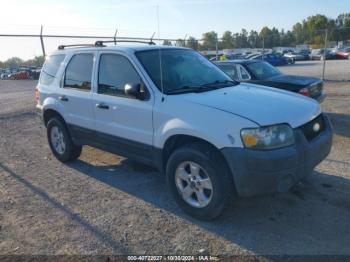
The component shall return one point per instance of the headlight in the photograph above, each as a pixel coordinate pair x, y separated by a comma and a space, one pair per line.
268, 137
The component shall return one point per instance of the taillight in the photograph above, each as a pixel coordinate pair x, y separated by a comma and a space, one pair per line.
304, 92
37, 95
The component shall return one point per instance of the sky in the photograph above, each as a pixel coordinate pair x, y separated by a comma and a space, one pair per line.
138, 18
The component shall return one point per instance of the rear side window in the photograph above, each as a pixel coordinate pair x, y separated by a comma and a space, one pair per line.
49, 71
79, 72
114, 73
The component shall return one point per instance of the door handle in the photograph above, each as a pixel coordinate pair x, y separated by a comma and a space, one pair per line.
63, 98
102, 106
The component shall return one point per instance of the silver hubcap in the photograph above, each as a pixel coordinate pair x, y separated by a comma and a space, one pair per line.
57, 140
193, 184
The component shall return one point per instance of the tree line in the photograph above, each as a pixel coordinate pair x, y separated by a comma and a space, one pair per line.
311, 31
15, 62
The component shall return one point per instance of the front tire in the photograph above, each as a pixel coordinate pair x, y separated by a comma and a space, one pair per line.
200, 181
60, 141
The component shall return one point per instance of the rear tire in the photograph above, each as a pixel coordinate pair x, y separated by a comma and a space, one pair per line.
193, 169
60, 141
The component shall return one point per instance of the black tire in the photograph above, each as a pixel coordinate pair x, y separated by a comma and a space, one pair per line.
71, 151
216, 169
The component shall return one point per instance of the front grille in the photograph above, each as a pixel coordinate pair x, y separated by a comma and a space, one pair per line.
316, 89
309, 129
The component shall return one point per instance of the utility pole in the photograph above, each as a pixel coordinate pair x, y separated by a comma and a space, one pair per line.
115, 36
217, 48
42, 41
262, 57
325, 54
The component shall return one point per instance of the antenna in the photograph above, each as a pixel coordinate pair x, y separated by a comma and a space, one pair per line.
160, 57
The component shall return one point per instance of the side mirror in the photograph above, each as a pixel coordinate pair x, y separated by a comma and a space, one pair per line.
135, 90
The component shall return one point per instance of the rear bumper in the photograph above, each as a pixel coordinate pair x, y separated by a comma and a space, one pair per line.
39, 107
262, 172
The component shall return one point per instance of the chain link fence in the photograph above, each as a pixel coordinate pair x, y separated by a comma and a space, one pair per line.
328, 58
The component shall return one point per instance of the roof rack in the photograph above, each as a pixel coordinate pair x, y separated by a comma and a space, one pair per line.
100, 43
61, 47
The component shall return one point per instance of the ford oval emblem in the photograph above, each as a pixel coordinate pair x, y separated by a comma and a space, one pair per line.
316, 127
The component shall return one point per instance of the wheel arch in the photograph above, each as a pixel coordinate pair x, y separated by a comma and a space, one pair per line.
177, 141
50, 113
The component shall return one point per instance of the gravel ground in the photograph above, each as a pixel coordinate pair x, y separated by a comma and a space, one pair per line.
105, 204
335, 70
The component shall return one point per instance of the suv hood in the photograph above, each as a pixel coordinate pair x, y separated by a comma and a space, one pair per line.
262, 105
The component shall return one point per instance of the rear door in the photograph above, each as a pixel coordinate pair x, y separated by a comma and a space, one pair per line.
75, 95
123, 124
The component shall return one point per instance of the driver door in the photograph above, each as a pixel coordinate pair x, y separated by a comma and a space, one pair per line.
123, 124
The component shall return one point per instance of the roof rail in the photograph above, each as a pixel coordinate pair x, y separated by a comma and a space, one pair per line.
100, 43
61, 47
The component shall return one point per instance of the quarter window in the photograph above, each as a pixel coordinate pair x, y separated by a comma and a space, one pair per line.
244, 74
49, 71
79, 72
114, 73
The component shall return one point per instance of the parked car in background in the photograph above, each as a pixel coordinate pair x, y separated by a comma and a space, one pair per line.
273, 59
249, 56
262, 73
322, 54
343, 53
8, 73
4, 74
297, 56
227, 57
35, 73
20, 75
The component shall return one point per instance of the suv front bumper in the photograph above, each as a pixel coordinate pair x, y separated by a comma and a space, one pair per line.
261, 172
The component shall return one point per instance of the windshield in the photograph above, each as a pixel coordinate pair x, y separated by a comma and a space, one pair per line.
182, 69
263, 70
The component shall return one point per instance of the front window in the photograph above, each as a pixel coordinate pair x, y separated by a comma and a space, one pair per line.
114, 73
263, 70
182, 70
230, 70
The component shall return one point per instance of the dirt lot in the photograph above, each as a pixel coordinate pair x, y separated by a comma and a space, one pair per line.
335, 70
104, 204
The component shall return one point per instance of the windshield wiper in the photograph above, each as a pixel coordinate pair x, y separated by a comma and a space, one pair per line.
202, 88
187, 89
220, 82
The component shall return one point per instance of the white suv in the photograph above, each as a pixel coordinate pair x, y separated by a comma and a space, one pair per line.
172, 108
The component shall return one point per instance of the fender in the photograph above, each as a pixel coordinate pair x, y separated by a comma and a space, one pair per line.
52, 103
178, 127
